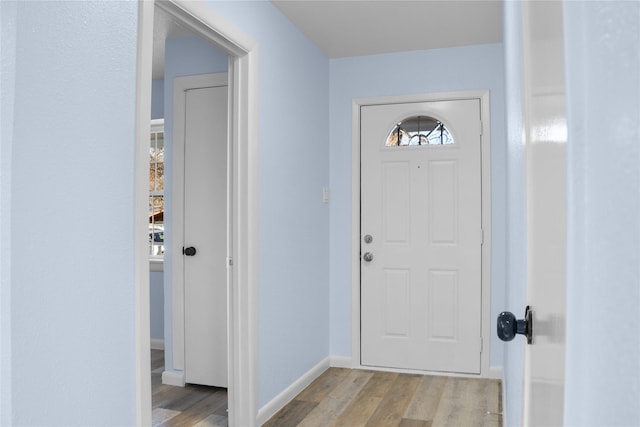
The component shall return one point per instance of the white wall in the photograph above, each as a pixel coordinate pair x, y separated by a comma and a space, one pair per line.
293, 138
603, 289
439, 70
69, 192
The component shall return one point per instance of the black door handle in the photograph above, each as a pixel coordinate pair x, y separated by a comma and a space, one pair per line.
508, 326
190, 251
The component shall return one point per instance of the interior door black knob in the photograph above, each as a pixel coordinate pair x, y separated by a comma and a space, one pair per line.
509, 326
190, 251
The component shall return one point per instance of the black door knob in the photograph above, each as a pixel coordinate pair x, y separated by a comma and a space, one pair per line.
509, 326
190, 251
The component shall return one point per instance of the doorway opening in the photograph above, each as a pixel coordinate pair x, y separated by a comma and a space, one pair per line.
204, 22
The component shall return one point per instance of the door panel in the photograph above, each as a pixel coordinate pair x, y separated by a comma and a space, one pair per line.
396, 285
421, 292
396, 201
443, 194
443, 292
545, 131
205, 228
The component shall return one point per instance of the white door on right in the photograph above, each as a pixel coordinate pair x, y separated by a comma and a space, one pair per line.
546, 137
421, 236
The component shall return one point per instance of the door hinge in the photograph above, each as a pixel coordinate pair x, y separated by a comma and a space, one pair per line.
480, 127
481, 344
482, 236
230, 262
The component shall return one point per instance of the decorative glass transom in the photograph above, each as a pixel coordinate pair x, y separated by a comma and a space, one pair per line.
419, 130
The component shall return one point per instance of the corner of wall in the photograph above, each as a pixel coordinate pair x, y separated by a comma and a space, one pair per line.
278, 402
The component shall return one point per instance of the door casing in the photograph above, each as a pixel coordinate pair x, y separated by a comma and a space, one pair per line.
485, 157
243, 130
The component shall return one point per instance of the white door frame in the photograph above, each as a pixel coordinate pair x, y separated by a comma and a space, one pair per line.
243, 91
485, 154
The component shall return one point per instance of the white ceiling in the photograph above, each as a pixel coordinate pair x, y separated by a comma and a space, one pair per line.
343, 28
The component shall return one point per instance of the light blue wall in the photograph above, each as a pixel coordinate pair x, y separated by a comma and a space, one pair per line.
442, 70
603, 287
185, 56
71, 188
293, 137
516, 208
157, 99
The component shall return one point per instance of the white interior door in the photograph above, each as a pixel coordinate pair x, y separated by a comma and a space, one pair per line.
421, 265
546, 136
205, 230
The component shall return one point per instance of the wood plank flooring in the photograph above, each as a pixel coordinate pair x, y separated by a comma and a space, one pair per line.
185, 406
345, 397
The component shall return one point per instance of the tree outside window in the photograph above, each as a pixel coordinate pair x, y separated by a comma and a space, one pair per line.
156, 189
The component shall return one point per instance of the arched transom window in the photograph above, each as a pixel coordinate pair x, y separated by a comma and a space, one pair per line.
419, 130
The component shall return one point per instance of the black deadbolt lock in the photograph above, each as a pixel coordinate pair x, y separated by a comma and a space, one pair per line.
509, 326
190, 251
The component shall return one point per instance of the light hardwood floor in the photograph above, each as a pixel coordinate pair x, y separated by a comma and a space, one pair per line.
185, 406
345, 397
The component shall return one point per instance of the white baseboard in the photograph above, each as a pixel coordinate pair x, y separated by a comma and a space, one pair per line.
505, 419
278, 402
495, 372
157, 344
173, 378
341, 362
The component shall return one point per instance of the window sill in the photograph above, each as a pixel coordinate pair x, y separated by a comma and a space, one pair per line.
156, 264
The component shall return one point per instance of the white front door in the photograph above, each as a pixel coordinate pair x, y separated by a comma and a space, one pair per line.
546, 137
421, 235
205, 235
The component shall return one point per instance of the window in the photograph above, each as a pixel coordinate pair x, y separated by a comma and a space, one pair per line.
419, 130
156, 190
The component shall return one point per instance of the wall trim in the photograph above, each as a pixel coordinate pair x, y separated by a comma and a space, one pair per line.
496, 372
157, 344
485, 155
341, 361
417, 372
287, 395
505, 418
142, 313
173, 378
